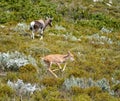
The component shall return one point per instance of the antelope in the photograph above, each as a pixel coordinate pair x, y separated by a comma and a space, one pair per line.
40, 26
57, 59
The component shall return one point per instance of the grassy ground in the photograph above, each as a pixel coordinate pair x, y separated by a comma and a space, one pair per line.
96, 52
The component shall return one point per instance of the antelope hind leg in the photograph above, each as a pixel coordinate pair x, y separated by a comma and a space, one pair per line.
52, 73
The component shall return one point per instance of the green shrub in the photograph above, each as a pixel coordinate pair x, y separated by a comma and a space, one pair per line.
21, 11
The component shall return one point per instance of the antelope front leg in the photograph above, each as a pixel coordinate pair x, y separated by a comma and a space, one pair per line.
59, 66
64, 67
41, 34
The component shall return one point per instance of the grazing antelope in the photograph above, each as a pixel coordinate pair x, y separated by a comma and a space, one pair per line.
57, 59
40, 26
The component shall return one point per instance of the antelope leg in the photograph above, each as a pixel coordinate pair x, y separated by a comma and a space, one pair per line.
59, 66
64, 67
32, 36
41, 34
55, 70
52, 73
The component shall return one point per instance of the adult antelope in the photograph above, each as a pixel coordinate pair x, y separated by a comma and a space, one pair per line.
40, 26
57, 59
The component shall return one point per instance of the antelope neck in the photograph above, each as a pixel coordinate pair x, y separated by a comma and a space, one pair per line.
66, 56
46, 23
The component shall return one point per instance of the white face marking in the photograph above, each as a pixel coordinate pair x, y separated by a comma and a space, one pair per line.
72, 59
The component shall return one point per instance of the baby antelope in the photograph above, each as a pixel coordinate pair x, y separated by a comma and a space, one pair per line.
57, 59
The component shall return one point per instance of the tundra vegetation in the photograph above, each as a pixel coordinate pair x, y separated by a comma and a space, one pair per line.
90, 30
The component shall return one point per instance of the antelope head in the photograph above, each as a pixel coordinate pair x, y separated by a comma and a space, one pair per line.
71, 56
49, 21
